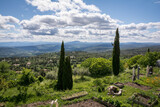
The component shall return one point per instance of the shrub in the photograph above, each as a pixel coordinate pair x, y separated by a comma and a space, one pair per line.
51, 75
4, 67
101, 67
81, 71
40, 78
101, 88
133, 60
27, 77
149, 59
88, 62
97, 82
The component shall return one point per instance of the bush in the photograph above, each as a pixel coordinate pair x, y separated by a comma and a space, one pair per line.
101, 67
40, 78
81, 71
26, 78
4, 67
51, 75
88, 62
97, 82
101, 88
149, 59
133, 61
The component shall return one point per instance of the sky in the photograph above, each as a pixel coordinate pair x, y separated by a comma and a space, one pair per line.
79, 20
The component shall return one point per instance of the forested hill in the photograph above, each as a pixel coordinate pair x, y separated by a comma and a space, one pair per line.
11, 49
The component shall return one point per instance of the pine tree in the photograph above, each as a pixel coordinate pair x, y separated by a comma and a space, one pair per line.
116, 55
61, 68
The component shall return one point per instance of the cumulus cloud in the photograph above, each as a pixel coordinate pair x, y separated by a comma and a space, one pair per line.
75, 20
6, 22
62, 5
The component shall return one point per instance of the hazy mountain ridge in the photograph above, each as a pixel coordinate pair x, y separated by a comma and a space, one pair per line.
21, 49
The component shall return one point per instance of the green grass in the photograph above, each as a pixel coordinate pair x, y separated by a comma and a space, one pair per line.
82, 84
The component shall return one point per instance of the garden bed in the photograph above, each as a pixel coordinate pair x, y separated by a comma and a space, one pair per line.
136, 85
143, 100
86, 103
118, 84
75, 95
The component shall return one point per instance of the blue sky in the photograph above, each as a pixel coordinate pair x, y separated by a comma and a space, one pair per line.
83, 20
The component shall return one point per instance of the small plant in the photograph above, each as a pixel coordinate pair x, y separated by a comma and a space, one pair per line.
40, 78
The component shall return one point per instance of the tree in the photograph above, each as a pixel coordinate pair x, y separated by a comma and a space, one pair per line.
116, 55
67, 75
148, 50
61, 68
4, 67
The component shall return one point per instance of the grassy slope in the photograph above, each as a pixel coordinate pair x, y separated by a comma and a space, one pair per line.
50, 94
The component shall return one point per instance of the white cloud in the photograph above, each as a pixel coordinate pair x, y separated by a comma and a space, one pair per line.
6, 22
157, 2
62, 5
75, 20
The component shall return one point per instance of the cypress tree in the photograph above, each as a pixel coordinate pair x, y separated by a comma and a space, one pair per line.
70, 80
61, 68
116, 55
148, 50
67, 75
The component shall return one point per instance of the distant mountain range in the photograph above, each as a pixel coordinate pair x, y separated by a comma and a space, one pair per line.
21, 49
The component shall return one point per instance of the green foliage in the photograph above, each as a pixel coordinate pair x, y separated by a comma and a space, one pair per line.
51, 75
69, 75
101, 88
97, 82
4, 67
116, 55
40, 78
149, 58
101, 67
133, 61
26, 78
22, 93
61, 68
65, 72
88, 62
81, 71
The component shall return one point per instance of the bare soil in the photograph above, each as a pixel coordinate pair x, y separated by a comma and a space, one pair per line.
136, 85
87, 103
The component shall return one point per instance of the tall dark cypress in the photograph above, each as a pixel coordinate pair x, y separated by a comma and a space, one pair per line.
61, 68
69, 69
67, 75
116, 55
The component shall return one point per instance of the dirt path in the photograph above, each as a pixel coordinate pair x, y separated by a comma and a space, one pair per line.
87, 103
136, 85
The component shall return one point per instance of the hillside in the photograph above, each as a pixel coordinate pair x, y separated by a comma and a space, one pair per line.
25, 49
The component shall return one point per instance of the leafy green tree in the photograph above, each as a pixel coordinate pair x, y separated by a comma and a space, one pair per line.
4, 67
133, 61
61, 68
149, 59
88, 62
26, 78
101, 67
116, 55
